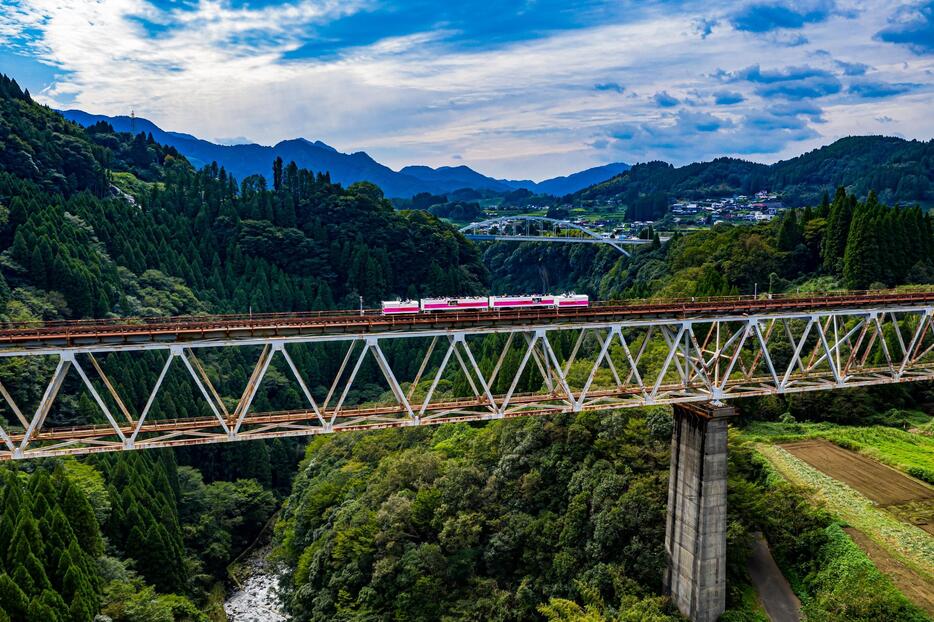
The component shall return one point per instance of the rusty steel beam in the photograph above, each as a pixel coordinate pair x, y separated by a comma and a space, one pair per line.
613, 364
160, 331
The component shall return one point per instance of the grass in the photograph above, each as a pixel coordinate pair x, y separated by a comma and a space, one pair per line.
215, 603
909, 452
848, 585
748, 609
129, 183
908, 543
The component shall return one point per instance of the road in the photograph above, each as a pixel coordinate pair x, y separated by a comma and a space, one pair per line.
780, 603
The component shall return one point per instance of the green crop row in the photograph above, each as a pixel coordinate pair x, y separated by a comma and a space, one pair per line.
910, 452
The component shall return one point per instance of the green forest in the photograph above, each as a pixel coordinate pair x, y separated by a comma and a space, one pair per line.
558, 518
95, 224
900, 172
839, 243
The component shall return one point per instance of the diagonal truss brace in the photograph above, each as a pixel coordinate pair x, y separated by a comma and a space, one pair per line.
669, 361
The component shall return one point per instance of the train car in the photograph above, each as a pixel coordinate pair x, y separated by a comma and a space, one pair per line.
569, 301
521, 302
476, 303
397, 307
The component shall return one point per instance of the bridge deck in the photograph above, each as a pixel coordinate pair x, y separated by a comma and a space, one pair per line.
192, 329
624, 355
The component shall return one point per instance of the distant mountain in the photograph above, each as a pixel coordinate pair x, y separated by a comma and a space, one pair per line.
345, 168
560, 186
899, 171
456, 177
251, 159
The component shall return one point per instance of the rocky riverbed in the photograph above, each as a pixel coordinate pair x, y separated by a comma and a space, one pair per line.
258, 598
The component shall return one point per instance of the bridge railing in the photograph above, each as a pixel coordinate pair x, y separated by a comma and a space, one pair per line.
12, 330
644, 352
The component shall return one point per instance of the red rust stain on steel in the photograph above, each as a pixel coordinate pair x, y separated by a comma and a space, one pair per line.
272, 324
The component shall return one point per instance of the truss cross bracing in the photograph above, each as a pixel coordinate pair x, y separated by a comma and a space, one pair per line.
542, 229
431, 375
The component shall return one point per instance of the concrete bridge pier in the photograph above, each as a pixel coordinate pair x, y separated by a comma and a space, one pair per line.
695, 537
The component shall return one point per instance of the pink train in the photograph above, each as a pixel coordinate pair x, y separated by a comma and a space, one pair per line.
484, 303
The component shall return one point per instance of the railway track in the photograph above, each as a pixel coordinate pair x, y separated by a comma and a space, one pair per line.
184, 329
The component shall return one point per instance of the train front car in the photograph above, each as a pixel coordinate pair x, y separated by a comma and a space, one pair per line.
521, 302
570, 301
398, 307
442, 305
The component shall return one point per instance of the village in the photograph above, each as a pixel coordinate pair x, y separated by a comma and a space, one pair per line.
762, 206
609, 219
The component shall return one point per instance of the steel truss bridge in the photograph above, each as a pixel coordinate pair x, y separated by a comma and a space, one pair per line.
509, 364
541, 229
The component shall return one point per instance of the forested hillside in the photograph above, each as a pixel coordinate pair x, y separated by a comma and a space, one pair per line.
96, 223
557, 518
900, 172
467, 523
837, 243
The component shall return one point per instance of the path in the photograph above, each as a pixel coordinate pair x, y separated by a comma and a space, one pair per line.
775, 594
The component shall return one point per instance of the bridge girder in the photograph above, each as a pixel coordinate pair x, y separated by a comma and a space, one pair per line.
590, 366
474, 231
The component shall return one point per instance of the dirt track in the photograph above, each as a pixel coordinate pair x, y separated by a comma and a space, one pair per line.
913, 586
874, 480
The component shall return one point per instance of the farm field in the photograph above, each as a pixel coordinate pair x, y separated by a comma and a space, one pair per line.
911, 452
907, 499
910, 583
876, 481
910, 548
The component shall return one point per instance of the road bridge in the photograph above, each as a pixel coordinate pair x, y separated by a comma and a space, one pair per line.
542, 229
694, 354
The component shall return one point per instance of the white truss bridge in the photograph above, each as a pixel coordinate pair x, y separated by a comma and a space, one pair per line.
541, 229
470, 366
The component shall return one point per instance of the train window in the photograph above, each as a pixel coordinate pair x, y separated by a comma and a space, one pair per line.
536, 299
452, 303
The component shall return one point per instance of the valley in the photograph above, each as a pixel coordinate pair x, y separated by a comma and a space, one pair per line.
559, 517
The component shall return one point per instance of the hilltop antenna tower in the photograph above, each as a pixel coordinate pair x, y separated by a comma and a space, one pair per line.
133, 121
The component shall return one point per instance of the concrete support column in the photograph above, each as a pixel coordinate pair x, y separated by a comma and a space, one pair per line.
695, 538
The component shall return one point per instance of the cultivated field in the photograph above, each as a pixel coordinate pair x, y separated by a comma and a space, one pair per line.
884, 507
910, 452
911, 584
878, 482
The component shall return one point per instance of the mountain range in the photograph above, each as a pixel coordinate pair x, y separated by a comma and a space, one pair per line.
899, 171
345, 168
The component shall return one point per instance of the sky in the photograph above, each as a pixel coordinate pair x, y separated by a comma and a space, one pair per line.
517, 89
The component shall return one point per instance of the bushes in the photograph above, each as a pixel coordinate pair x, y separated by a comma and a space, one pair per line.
489, 522
849, 587
923, 474
834, 578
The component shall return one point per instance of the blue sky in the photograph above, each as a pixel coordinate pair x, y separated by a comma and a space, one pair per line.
526, 89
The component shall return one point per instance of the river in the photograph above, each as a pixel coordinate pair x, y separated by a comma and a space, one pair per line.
258, 598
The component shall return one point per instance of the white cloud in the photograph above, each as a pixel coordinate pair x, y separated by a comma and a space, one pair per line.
526, 109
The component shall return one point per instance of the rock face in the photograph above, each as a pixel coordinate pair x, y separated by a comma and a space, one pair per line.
258, 599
